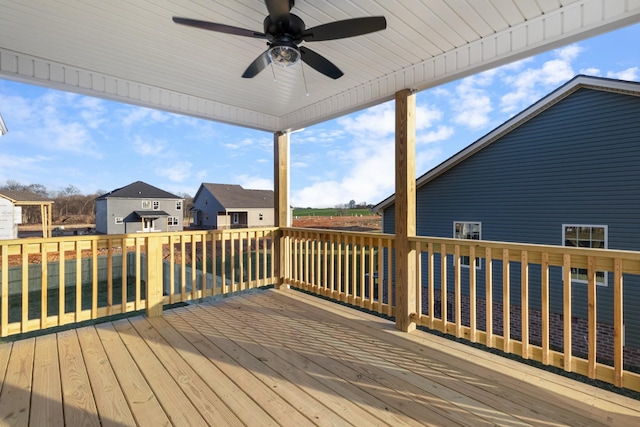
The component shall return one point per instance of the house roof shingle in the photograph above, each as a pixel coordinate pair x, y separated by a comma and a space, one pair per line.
24, 197
138, 190
233, 196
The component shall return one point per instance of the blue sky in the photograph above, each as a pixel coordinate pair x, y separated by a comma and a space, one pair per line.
59, 139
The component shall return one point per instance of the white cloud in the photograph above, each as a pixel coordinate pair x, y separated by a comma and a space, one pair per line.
176, 171
380, 121
155, 148
367, 174
250, 182
630, 74
592, 71
440, 134
531, 84
472, 103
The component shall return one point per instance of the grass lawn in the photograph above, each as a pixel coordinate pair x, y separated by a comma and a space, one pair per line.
331, 212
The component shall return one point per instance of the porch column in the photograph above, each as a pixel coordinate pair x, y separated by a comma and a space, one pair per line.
405, 209
282, 215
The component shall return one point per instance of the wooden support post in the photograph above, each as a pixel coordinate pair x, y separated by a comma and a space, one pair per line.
405, 209
282, 210
154, 295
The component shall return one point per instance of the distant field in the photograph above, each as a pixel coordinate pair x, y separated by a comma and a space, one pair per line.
331, 212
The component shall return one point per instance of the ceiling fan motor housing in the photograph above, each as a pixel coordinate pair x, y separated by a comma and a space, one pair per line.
291, 29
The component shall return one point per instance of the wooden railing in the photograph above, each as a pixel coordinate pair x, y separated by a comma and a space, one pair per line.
58, 281
517, 298
348, 267
520, 299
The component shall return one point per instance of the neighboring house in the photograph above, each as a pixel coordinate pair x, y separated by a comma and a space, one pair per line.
565, 171
139, 207
11, 203
220, 206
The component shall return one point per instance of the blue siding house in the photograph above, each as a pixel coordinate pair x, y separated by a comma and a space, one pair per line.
565, 171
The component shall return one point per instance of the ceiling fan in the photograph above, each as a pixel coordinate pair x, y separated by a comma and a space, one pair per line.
284, 31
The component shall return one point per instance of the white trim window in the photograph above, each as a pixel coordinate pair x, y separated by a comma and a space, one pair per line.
586, 236
156, 205
119, 220
471, 231
172, 221
179, 205
146, 204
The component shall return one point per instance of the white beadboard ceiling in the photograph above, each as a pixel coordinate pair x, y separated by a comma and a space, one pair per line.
131, 51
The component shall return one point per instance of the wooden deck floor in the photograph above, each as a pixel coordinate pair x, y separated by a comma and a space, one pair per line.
281, 358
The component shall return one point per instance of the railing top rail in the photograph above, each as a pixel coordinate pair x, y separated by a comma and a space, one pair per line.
104, 237
551, 249
326, 231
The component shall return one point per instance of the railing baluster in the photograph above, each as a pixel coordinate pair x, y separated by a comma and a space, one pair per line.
443, 287
380, 273
389, 278
457, 292
172, 271
205, 292
183, 270
618, 326
225, 277
545, 307
418, 281
44, 286
362, 283
325, 265
431, 285
61, 283
241, 279
524, 303
488, 292
138, 245
214, 265
94, 279
506, 303
25, 289
371, 257
473, 329
4, 302
592, 345
110, 277
566, 313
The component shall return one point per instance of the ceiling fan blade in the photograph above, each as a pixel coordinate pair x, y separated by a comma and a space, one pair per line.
343, 29
220, 28
320, 63
279, 9
257, 65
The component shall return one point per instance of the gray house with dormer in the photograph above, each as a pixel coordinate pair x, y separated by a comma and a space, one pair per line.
224, 206
139, 208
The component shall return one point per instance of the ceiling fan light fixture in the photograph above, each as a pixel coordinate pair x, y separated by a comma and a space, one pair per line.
284, 56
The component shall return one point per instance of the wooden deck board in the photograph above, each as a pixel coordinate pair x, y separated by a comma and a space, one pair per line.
436, 373
282, 358
47, 388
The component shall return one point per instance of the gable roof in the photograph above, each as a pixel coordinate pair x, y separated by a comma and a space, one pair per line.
233, 196
139, 190
24, 197
578, 82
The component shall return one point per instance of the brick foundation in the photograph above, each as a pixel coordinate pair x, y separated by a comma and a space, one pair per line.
579, 328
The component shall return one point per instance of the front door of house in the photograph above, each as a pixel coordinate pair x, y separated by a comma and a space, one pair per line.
147, 224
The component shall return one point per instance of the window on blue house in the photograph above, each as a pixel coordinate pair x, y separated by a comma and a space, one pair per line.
586, 236
467, 230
